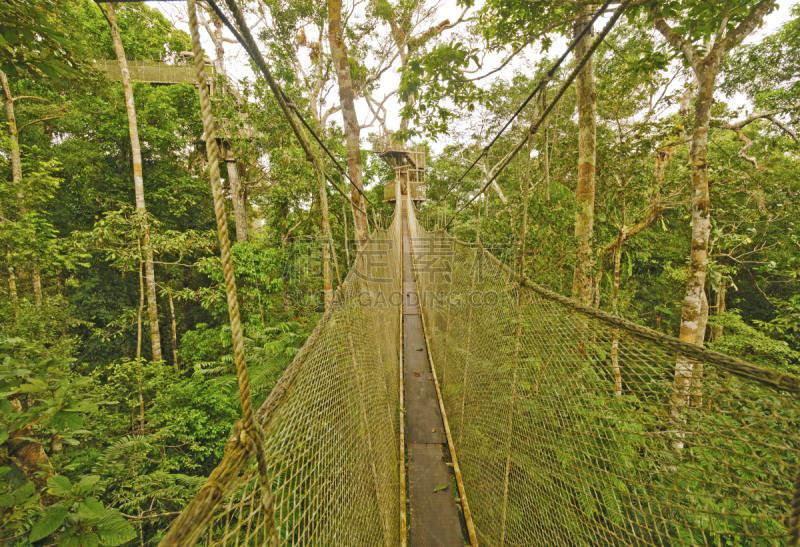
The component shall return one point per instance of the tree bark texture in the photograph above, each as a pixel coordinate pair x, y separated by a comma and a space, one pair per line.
12, 286
174, 324
694, 311
584, 193
717, 331
138, 185
238, 199
352, 130
16, 174
8, 101
30, 456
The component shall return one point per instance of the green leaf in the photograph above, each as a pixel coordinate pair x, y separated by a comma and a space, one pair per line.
115, 530
89, 539
91, 508
49, 522
87, 483
59, 485
6, 500
23, 492
440, 487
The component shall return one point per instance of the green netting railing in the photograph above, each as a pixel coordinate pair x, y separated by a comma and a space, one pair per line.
573, 428
331, 426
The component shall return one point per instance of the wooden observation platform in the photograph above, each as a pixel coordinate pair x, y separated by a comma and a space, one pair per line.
154, 72
409, 167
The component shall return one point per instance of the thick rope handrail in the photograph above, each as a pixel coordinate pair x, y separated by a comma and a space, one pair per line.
738, 367
542, 83
561, 90
188, 527
246, 41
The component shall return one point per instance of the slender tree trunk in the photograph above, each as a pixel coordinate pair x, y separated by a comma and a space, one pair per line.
478, 229
615, 306
692, 311
327, 274
697, 376
233, 166
346, 235
325, 230
138, 184
701, 223
237, 196
12, 286
545, 147
716, 332
139, 344
174, 324
141, 309
16, 173
36, 282
8, 101
352, 130
584, 194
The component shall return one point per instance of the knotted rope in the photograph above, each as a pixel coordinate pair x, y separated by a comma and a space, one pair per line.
247, 434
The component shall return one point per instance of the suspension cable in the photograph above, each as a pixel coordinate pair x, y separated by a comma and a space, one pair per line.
543, 82
561, 90
255, 56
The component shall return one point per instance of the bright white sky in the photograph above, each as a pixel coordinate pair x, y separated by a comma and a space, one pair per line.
238, 66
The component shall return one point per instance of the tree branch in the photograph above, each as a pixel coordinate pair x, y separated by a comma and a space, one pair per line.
785, 128
24, 125
146, 517
747, 26
676, 40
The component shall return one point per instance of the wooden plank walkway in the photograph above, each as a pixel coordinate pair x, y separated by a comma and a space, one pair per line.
434, 515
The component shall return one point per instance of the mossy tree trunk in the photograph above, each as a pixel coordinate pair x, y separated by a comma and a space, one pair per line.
138, 185
587, 153
352, 129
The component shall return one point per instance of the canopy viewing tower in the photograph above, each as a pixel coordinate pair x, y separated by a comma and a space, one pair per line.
409, 167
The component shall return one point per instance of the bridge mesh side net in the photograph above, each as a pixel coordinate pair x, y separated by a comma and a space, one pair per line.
333, 442
570, 431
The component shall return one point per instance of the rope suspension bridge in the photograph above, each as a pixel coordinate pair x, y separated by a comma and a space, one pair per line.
445, 399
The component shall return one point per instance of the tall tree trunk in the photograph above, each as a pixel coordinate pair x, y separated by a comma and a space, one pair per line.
139, 344
16, 173
352, 130
615, 305
545, 146
584, 194
697, 376
141, 308
138, 185
694, 311
238, 198
716, 332
233, 166
346, 235
12, 285
174, 324
36, 283
327, 273
13, 135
